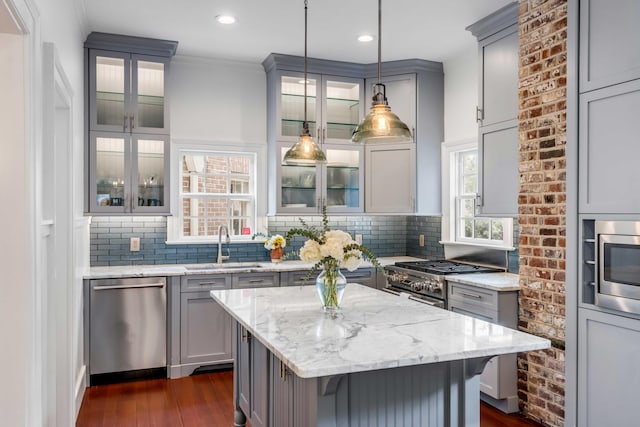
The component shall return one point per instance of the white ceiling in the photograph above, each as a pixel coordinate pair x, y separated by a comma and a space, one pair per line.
425, 29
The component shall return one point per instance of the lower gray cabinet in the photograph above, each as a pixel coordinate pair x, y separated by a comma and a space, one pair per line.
363, 276
255, 280
499, 380
252, 370
202, 334
608, 376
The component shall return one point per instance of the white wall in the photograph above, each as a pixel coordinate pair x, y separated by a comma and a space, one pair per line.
461, 95
217, 100
58, 22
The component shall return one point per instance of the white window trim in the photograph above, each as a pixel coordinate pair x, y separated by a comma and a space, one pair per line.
448, 165
174, 235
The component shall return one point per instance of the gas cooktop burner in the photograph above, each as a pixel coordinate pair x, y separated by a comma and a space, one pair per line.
444, 267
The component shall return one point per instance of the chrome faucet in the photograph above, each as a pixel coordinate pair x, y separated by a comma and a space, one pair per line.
228, 240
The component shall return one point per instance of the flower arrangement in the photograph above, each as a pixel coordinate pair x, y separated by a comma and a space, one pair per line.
330, 250
276, 244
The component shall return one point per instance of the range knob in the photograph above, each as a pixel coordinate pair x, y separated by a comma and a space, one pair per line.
437, 288
417, 286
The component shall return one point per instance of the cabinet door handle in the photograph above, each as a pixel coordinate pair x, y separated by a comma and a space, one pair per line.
124, 122
479, 114
324, 134
143, 285
245, 336
209, 284
318, 133
471, 295
256, 280
131, 122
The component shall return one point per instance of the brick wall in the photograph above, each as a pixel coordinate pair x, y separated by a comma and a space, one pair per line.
542, 204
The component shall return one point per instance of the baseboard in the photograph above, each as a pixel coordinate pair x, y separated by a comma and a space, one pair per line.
178, 371
508, 405
81, 385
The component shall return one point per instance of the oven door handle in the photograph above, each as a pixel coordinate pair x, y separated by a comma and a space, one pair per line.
423, 301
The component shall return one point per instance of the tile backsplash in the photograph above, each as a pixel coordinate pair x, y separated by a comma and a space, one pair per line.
384, 235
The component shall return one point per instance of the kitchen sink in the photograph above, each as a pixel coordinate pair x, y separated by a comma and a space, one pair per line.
222, 267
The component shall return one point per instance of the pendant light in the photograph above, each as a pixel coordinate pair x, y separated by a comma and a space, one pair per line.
381, 125
305, 151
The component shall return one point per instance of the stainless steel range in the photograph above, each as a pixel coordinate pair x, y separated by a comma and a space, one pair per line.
424, 281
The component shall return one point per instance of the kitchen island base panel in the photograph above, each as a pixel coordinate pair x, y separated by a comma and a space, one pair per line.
437, 394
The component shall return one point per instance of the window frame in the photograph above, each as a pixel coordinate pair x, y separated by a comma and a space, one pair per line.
451, 186
175, 232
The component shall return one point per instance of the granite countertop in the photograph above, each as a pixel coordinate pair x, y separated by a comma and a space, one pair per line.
212, 268
374, 330
493, 281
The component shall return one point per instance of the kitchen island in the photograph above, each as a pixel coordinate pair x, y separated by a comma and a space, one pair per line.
383, 360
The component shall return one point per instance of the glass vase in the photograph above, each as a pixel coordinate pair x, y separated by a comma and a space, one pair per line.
330, 285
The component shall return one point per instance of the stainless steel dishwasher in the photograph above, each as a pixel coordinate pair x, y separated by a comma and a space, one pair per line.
128, 325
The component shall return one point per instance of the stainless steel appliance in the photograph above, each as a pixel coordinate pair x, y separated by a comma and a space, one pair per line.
424, 281
618, 265
128, 325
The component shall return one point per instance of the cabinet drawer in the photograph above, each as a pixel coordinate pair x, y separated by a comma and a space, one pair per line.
473, 310
255, 280
363, 276
297, 278
205, 283
473, 295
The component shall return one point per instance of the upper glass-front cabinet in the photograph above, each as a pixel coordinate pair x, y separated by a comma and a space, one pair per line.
336, 184
127, 92
129, 173
334, 107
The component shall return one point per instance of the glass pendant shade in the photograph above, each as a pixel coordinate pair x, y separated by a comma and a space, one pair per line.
304, 152
381, 125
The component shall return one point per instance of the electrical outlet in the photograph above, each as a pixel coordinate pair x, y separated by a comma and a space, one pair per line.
134, 244
359, 239
421, 239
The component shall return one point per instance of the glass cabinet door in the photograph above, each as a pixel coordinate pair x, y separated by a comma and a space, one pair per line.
108, 184
343, 179
109, 85
291, 111
148, 95
150, 190
342, 108
299, 186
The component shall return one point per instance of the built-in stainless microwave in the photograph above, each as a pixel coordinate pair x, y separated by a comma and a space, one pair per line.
618, 265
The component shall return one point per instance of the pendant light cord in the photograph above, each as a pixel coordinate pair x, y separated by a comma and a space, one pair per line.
379, 39
305, 125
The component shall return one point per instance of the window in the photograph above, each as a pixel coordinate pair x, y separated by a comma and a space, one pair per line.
216, 188
460, 186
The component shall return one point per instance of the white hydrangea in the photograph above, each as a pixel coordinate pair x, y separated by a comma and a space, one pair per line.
310, 252
352, 260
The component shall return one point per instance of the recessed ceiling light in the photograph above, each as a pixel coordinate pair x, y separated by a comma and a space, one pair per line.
226, 19
365, 38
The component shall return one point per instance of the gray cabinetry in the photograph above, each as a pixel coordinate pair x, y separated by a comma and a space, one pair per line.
498, 382
497, 36
609, 98
127, 124
252, 378
607, 369
255, 280
609, 51
415, 89
204, 327
363, 276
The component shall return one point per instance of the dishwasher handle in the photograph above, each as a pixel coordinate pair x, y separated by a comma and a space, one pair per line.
144, 285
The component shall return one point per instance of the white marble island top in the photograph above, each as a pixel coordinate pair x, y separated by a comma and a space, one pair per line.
374, 330
494, 281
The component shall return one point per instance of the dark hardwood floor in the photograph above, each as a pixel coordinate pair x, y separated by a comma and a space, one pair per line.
198, 400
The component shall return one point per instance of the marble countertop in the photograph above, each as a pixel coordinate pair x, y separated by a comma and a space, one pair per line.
493, 281
212, 268
374, 330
